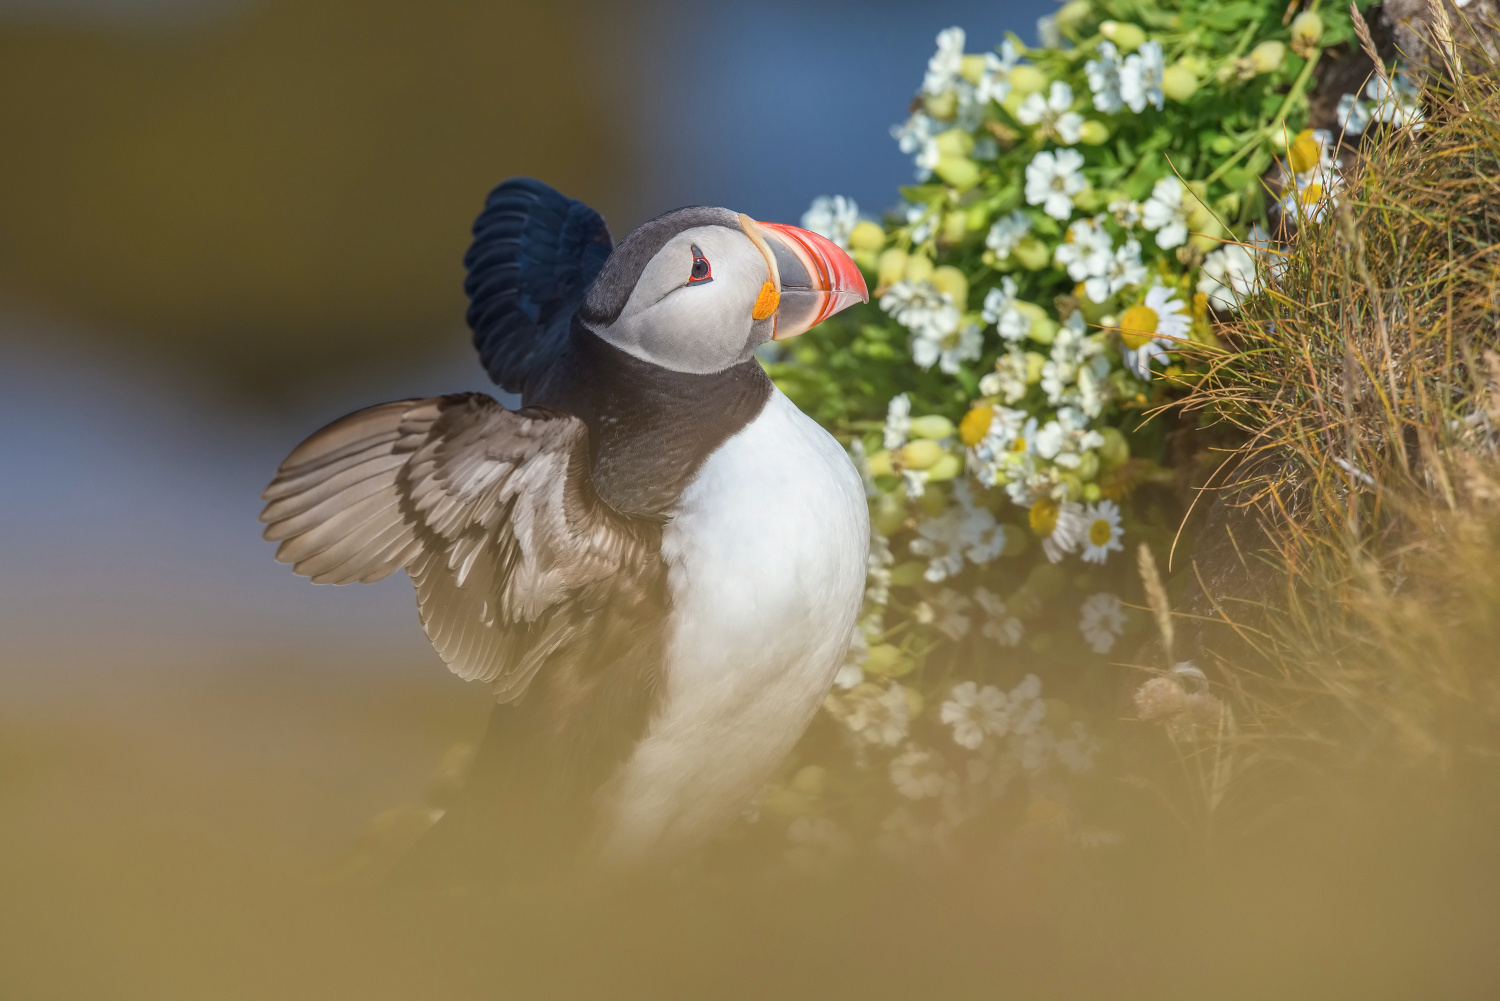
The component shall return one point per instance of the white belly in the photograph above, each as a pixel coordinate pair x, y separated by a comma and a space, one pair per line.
766, 568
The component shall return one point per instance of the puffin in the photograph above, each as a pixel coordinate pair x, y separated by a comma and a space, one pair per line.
655, 563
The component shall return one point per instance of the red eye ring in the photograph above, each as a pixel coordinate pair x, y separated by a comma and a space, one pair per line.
702, 272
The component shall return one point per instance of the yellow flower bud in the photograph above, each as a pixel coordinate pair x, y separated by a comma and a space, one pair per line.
867, 235
1091, 492
1033, 254
972, 68
1035, 362
880, 464
1088, 466
1043, 327
1196, 65
959, 171
934, 501
945, 468
955, 225
1126, 36
921, 453
892, 266
1307, 32
1304, 152
1268, 56
955, 142
1073, 15
934, 426
907, 574
1093, 133
942, 106
887, 661
1178, 82
951, 280
1115, 450
887, 514
1026, 79
918, 268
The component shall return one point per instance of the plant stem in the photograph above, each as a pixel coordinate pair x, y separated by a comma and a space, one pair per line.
1264, 132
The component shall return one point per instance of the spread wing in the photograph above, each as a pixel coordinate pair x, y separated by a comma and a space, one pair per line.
492, 513
534, 254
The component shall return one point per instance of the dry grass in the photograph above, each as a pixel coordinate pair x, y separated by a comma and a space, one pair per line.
1366, 383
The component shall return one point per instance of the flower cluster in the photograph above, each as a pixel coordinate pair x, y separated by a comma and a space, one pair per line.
1085, 210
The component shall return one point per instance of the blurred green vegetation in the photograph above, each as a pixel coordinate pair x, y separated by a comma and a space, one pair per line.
290, 190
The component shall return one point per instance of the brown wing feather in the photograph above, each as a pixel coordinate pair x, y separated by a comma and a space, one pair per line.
493, 514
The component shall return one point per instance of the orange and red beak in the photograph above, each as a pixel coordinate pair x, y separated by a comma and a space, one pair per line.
816, 277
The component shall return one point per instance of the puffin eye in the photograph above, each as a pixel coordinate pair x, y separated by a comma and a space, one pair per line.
702, 272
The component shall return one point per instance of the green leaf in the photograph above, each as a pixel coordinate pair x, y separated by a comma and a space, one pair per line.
1231, 16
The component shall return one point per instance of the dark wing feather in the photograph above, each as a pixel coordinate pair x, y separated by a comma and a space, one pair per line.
534, 254
491, 511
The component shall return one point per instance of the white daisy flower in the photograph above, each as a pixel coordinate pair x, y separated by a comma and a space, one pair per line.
1353, 115
1102, 531
1059, 525
897, 421
877, 715
951, 613
1025, 709
1153, 328
1006, 233
1052, 179
963, 531
943, 68
999, 624
917, 773
1008, 381
1000, 309
1228, 277
1052, 114
1140, 78
1123, 269
833, 217
1127, 213
1085, 250
1166, 213
917, 137
1102, 621
1104, 79
923, 220
973, 712
994, 83
1076, 751
933, 320
1313, 196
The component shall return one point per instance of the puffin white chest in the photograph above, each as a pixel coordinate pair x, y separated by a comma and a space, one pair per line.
766, 556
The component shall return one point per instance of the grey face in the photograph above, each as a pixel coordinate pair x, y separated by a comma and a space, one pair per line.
691, 309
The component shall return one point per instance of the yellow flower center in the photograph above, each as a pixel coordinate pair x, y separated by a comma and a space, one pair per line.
1311, 194
1019, 445
1138, 325
975, 425
1100, 532
1044, 517
1304, 152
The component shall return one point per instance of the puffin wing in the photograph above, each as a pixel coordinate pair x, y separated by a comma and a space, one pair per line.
534, 255
492, 513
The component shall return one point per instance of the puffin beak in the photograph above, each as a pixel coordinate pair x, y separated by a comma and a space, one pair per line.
817, 278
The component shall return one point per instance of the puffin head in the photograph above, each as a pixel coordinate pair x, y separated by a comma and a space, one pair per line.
697, 290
